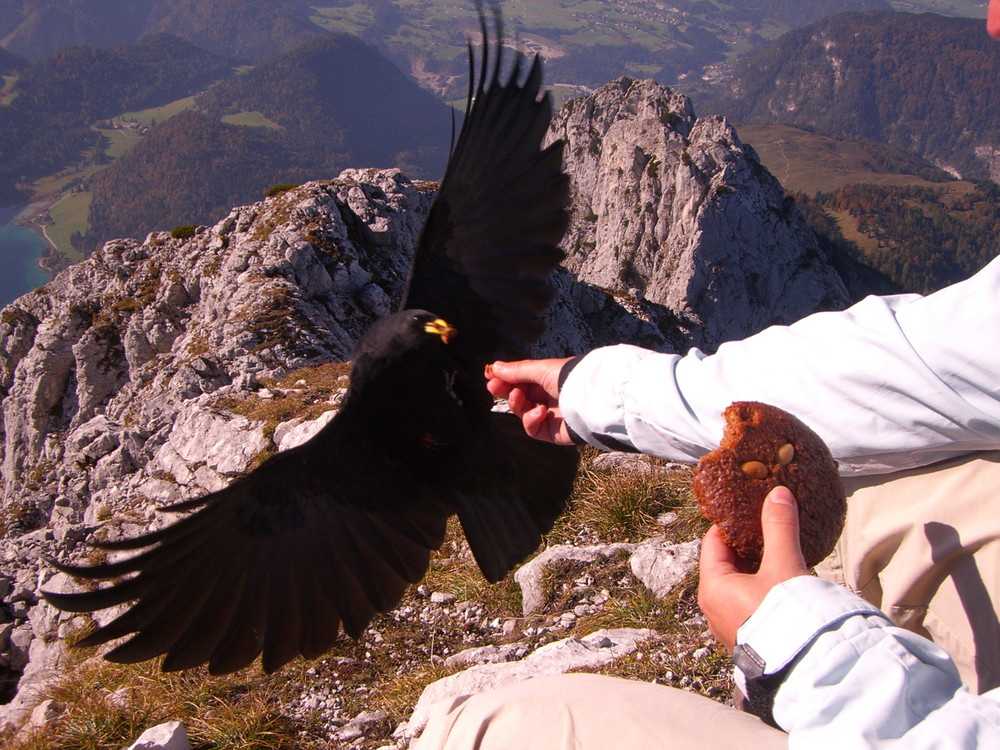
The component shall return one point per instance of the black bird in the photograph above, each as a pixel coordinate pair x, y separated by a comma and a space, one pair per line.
325, 535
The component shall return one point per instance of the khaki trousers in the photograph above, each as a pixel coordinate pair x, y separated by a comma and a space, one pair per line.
576, 711
921, 545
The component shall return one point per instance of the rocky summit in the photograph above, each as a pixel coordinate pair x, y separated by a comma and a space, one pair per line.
153, 371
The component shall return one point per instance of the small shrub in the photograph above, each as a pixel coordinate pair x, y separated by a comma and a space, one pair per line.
283, 187
183, 231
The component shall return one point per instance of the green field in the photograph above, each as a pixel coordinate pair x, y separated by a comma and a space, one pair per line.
69, 214
352, 19
251, 119
967, 8
154, 115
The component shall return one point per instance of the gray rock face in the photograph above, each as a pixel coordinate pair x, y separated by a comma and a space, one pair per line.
118, 379
674, 210
661, 566
531, 576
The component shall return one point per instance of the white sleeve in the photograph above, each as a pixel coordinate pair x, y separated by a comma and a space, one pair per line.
891, 383
851, 679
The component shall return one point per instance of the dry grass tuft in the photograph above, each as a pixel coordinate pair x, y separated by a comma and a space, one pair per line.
107, 705
623, 504
303, 394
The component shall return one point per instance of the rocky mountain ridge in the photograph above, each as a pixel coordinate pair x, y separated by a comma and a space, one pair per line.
151, 372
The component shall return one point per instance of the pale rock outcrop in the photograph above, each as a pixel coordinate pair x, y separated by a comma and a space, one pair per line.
531, 576
674, 210
662, 566
168, 736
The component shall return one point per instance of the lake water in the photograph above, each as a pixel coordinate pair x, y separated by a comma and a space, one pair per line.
20, 249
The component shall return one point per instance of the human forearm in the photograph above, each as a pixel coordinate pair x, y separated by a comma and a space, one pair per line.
891, 383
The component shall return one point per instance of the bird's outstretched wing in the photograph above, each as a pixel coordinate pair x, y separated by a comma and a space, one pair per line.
274, 564
490, 240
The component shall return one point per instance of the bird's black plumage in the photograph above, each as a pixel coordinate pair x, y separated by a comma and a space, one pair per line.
323, 536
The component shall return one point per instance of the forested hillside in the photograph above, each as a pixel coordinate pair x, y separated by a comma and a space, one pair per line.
10, 63
920, 238
584, 43
249, 29
192, 169
47, 123
333, 103
923, 82
338, 94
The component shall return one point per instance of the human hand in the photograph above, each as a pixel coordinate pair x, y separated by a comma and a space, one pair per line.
993, 19
726, 594
531, 388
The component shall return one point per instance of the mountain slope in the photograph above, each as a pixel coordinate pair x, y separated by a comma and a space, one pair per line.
163, 181
336, 103
338, 91
11, 63
922, 82
46, 124
583, 43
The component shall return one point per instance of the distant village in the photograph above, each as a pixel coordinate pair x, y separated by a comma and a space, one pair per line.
129, 127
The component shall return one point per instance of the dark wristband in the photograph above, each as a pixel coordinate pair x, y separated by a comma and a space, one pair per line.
563, 374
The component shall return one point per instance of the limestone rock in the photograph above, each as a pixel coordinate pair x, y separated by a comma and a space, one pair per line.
356, 727
674, 210
289, 434
661, 567
169, 736
530, 576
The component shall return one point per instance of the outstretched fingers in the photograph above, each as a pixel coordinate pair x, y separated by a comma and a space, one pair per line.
531, 388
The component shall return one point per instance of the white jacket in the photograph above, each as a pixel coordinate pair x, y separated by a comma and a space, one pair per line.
891, 383
854, 680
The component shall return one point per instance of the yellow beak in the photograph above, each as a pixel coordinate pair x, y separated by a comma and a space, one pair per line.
441, 328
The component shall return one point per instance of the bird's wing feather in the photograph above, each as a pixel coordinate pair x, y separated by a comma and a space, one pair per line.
490, 240
271, 565
511, 500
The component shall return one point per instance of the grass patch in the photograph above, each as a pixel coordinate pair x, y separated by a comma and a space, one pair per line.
302, 394
623, 505
160, 114
253, 119
105, 705
453, 570
69, 214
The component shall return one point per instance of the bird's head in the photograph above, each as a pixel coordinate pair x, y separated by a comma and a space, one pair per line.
397, 339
